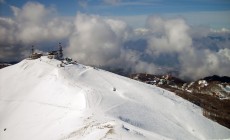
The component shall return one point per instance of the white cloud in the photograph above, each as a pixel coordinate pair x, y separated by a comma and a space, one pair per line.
96, 41
15, 10
131, 60
168, 36
112, 2
100, 41
33, 23
31, 12
222, 30
136, 21
174, 36
205, 63
2, 1
83, 3
7, 30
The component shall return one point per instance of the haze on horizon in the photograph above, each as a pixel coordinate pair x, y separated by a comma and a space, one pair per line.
191, 37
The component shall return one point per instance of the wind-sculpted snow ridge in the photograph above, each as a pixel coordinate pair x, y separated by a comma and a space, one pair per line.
40, 100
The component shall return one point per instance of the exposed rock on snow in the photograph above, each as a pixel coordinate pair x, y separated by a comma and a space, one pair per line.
203, 83
211, 93
39, 100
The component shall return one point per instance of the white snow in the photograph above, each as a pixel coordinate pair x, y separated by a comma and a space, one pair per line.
190, 84
41, 101
225, 88
203, 83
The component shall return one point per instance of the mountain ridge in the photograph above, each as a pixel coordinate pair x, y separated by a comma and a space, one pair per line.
42, 99
211, 93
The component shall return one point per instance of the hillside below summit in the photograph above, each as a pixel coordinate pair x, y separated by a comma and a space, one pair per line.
41, 99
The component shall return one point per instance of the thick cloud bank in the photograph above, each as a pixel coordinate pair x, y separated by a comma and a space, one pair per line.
32, 24
163, 45
168, 36
98, 41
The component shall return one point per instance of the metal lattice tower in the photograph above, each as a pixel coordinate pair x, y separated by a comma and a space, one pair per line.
60, 51
32, 49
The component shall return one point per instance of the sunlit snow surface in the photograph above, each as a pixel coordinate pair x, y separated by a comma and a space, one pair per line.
41, 101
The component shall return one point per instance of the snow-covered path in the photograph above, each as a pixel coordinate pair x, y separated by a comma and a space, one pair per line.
39, 100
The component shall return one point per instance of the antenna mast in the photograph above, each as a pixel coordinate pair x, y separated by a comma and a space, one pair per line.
60, 51
32, 49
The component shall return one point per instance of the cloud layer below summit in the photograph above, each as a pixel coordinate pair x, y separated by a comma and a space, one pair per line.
95, 40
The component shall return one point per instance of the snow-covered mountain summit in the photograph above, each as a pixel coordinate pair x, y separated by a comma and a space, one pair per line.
40, 100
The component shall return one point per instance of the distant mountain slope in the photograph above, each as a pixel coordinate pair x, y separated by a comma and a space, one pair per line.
41, 99
3, 65
211, 93
6, 64
223, 79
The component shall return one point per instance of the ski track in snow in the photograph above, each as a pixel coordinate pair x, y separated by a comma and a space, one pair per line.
80, 102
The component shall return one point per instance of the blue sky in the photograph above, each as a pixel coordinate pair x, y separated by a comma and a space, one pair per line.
138, 35
213, 13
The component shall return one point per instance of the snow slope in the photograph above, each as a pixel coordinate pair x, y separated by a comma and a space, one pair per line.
41, 101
